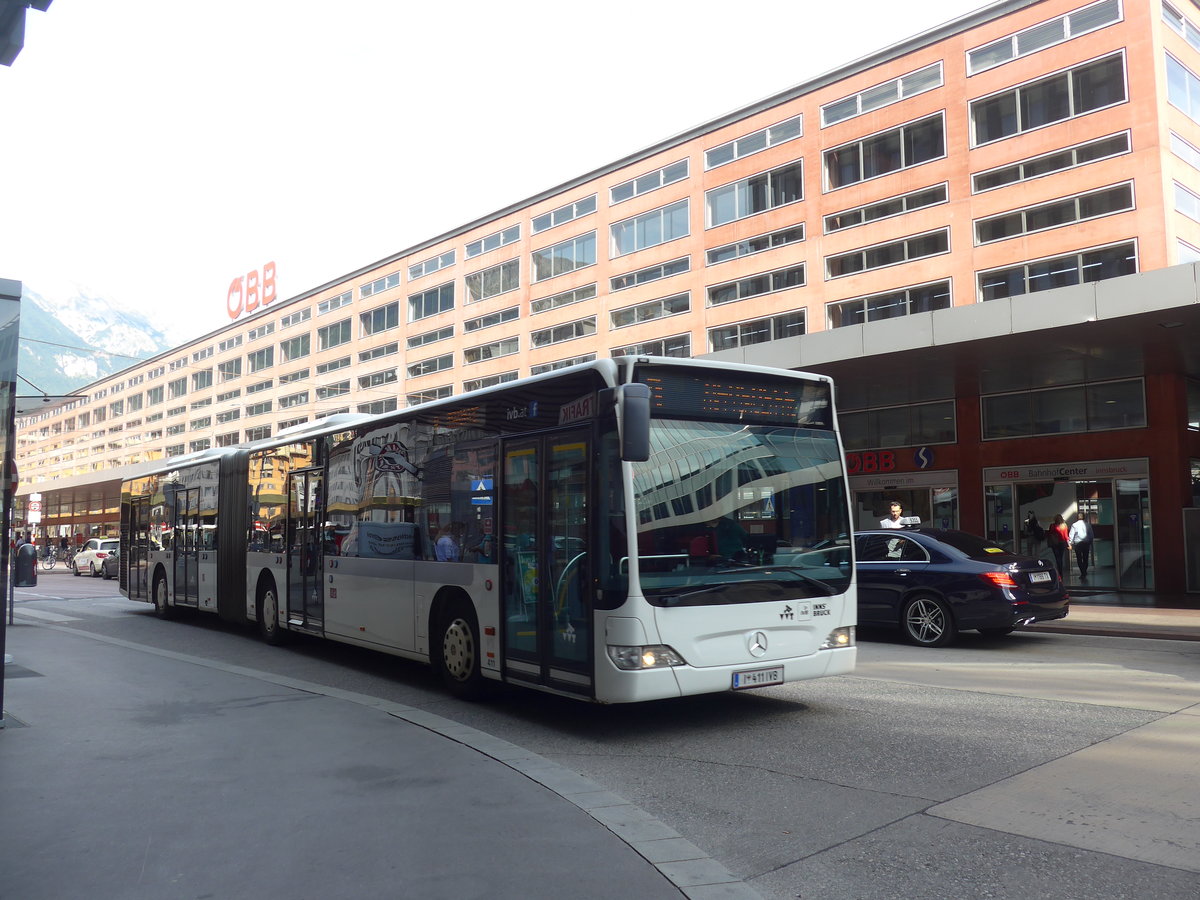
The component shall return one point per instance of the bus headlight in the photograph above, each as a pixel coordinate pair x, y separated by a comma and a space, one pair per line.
655, 656
839, 637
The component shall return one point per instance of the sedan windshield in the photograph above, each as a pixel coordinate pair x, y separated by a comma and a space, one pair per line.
730, 513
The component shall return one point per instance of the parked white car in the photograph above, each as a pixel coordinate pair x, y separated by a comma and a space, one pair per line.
90, 557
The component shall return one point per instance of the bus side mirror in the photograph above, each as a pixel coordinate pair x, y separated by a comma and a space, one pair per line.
633, 419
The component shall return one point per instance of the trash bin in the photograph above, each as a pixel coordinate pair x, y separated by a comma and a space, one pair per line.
25, 574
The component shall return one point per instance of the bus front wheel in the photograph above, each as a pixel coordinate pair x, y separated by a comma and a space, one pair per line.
458, 660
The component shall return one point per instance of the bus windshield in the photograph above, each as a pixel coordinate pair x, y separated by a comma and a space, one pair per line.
731, 513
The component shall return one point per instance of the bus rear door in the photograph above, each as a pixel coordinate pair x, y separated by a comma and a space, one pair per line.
305, 592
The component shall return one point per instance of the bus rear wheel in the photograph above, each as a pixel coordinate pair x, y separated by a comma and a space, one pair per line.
458, 661
268, 616
162, 608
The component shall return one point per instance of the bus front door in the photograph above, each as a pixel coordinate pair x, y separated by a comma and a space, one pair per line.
545, 567
134, 563
305, 592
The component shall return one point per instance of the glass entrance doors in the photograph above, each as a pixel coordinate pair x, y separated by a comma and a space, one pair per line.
185, 545
545, 566
305, 594
1120, 556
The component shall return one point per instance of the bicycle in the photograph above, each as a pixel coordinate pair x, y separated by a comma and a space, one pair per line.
48, 559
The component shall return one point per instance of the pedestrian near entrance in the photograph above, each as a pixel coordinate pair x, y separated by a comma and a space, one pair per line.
1034, 533
1081, 542
893, 519
1057, 538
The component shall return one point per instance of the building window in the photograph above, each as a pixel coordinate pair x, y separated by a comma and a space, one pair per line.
568, 331
196, 357
338, 389
650, 229
787, 130
381, 319
176, 388
1059, 271
201, 424
753, 245
174, 450
651, 181
889, 305
295, 318
885, 209
377, 352
431, 265
117, 407
328, 306
679, 345
489, 381
577, 253
333, 335
1185, 151
489, 282
756, 194
261, 331
200, 444
298, 375
230, 369
509, 235
333, 366
651, 273
290, 400
756, 331
1043, 35
377, 379
153, 395
561, 364
431, 337
435, 364
1069, 409
379, 285
431, 302
377, 407
892, 253
756, 285
173, 430
882, 95
565, 214
134, 402
230, 343
438, 393
228, 439
496, 318
1058, 161
493, 350
566, 298
651, 310
899, 426
295, 348
261, 386
1055, 214
261, 359
292, 423
230, 415
886, 152
1059, 97
261, 433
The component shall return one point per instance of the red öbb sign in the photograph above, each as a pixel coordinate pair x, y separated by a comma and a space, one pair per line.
869, 461
248, 292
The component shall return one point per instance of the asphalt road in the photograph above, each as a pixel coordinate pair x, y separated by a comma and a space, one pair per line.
1039, 764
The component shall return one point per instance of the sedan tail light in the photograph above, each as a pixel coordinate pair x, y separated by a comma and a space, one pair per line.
1000, 579
100, 554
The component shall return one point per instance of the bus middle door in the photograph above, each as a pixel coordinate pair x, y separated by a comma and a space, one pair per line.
545, 567
305, 590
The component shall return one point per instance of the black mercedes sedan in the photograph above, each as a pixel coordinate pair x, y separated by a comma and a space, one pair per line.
935, 582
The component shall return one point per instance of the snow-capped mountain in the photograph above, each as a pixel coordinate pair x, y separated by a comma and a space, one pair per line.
69, 341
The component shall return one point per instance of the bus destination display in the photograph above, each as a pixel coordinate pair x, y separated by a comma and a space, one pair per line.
751, 400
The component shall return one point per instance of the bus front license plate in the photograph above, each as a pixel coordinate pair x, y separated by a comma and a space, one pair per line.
757, 678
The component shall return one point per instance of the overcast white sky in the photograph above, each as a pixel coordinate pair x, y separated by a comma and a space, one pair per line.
152, 151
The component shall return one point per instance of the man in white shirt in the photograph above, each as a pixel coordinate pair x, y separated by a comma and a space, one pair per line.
1080, 538
893, 520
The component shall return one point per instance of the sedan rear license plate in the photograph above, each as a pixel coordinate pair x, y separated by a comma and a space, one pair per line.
1039, 576
757, 678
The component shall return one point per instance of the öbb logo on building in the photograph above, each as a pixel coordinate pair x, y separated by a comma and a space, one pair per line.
250, 291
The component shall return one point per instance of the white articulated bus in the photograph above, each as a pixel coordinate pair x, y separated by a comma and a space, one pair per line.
628, 529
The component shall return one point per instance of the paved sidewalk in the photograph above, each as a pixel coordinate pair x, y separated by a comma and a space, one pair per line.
133, 772
1125, 615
